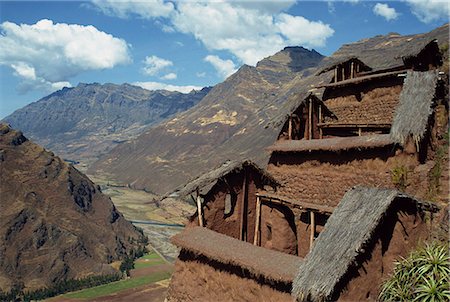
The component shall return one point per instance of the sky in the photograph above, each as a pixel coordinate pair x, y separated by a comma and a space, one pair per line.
178, 45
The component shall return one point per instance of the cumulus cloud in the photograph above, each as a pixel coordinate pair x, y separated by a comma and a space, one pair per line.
430, 10
159, 86
224, 68
250, 30
145, 9
46, 55
169, 76
154, 65
383, 10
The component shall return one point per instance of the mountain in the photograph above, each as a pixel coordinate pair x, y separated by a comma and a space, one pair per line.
227, 124
83, 122
55, 224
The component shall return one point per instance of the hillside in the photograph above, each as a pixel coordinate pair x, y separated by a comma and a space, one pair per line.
240, 117
84, 122
227, 124
55, 224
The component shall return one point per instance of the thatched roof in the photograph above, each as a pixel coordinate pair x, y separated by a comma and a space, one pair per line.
334, 62
260, 262
206, 181
415, 108
346, 234
332, 144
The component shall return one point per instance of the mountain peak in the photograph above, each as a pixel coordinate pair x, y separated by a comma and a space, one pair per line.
291, 59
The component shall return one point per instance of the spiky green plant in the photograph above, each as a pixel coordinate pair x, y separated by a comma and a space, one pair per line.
423, 276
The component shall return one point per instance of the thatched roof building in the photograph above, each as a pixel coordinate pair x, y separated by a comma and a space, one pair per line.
346, 236
205, 182
332, 144
416, 106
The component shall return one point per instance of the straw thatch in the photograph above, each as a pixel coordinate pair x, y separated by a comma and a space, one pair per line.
415, 108
206, 181
260, 262
332, 144
335, 62
347, 233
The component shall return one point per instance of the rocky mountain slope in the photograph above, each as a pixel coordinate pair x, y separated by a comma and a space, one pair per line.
240, 117
55, 224
83, 122
227, 124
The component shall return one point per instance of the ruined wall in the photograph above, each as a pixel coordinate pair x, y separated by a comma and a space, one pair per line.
303, 223
201, 279
278, 230
402, 230
214, 206
323, 177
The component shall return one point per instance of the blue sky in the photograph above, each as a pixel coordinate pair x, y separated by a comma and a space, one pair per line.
45, 46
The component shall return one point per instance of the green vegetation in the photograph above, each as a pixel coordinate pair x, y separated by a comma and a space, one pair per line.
142, 264
399, 177
114, 287
423, 276
434, 177
17, 293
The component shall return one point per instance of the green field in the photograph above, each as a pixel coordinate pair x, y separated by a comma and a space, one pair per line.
147, 260
114, 287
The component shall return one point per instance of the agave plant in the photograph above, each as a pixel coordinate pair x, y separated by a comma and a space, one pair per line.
423, 276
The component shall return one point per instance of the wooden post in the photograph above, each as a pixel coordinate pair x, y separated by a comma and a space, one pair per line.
199, 209
359, 131
257, 237
320, 121
343, 72
351, 70
313, 229
290, 127
335, 75
243, 213
310, 118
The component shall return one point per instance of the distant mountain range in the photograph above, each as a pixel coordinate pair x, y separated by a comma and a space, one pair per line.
84, 122
229, 123
55, 224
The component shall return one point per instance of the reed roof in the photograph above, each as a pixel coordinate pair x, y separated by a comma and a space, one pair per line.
346, 235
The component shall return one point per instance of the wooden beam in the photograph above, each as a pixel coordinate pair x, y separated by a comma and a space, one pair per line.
335, 75
320, 121
257, 237
343, 72
310, 118
243, 213
313, 229
359, 131
199, 209
290, 127
351, 70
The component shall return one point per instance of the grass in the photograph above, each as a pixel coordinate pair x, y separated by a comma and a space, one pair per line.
114, 287
150, 256
142, 264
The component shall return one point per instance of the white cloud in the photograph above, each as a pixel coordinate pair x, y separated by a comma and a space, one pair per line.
383, 10
201, 74
46, 55
250, 30
145, 9
169, 76
224, 68
154, 64
430, 10
159, 86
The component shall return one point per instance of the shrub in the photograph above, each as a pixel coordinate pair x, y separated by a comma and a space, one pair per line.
423, 276
399, 177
